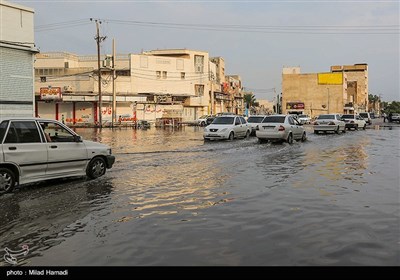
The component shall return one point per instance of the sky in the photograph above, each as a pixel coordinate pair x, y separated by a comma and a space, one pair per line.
256, 38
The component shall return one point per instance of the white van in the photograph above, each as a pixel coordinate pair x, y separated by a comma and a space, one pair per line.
34, 149
366, 116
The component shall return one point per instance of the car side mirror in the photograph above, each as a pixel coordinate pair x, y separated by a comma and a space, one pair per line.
77, 138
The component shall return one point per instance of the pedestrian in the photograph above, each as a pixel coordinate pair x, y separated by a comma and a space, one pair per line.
390, 117
384, 117
119, 119
62, 119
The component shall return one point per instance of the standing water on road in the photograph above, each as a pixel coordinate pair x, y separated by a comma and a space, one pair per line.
171, 199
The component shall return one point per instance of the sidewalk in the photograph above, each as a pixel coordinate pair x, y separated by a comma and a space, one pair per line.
379, 121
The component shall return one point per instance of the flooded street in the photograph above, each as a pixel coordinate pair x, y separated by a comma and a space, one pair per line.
171, 199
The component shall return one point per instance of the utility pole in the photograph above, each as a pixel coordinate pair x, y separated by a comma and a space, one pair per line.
114, 111
99, 39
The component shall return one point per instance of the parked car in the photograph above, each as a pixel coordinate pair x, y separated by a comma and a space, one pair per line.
280, 128
329, 122
35, 149
395, 117
304, 119
227, 127
254, 121
354, 121
367, 117
202, 121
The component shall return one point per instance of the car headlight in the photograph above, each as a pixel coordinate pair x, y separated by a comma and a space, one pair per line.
205, 129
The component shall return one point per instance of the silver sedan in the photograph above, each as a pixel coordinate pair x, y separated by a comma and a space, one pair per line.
280, 128
329, 122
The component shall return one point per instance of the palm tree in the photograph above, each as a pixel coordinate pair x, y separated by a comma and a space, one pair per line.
250, 99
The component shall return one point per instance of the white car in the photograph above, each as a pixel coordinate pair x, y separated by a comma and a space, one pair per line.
202, 121
354, 121
304, 119
227, 127
329, 122
280, 128
254, 121
36, 149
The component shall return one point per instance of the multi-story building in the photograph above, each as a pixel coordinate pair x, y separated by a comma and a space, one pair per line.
343, 90
17, 50
158, 85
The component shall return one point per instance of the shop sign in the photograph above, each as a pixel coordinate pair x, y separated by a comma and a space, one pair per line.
295, 105
50, 93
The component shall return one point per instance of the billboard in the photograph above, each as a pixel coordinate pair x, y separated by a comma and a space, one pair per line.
295, 105
50, 93
330, 78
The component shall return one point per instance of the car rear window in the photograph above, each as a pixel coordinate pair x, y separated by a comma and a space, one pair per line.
364, 115
274, 119
254, 119
224, 120
326, 117
348, 117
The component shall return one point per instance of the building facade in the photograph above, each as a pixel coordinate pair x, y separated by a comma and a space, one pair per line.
159, 86
17, 50
343, 90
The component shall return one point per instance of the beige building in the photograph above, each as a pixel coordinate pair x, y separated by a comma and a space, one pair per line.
17, 51
158, 86
343, 90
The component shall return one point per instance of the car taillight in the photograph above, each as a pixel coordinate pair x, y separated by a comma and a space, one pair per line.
351, 121
257, 128
281, 128
316, 123
331, 123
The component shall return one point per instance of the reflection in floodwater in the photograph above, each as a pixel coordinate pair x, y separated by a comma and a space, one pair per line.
172, 199
43, 215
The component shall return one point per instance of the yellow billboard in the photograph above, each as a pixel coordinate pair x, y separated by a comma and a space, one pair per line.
330, 78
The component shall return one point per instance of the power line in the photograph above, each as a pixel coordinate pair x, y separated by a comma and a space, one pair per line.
279, 29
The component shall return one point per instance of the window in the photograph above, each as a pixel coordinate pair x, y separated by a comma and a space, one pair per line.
158, 74
198, 63
3, 127
182, 75
243, 120
164, 74
23, 132
56, 132
237, 121
42, 79
274, 119
199, 90
66, 64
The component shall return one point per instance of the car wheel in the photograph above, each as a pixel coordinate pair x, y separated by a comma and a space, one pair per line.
337, 130
96, 168
7, 180
290, 138
304, 137
231, 136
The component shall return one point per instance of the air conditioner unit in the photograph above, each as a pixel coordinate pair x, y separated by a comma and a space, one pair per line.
67, 89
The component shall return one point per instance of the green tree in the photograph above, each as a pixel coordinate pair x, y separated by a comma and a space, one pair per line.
392, 107
250, 100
